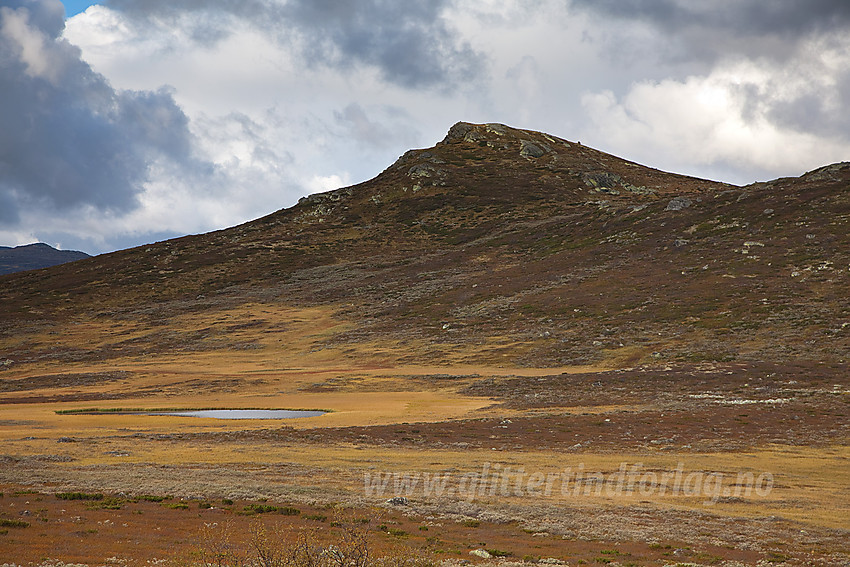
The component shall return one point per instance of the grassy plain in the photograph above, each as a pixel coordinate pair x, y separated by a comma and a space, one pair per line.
441, 418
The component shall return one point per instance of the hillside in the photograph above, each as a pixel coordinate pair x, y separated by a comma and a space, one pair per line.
502, 236
34, 256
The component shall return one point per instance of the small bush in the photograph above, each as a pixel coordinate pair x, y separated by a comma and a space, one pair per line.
106, 504
316, 517
79, 496
227, 501
498, 553
179, 506
396, 532
13, 524
260, 508
471, 523
289, 511
150, 498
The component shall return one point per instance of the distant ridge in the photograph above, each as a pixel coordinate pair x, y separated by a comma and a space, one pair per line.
34, 256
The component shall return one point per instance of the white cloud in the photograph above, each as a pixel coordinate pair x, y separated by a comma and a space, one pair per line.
328, 183
723, 124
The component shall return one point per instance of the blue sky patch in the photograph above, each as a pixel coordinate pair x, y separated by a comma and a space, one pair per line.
74, 7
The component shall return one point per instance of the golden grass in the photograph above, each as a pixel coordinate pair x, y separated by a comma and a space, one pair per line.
363, 384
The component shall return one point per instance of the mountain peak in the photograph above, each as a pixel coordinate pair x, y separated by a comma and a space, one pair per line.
515, 235
496, 168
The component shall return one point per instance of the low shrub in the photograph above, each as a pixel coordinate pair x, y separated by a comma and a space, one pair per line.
79, 496
150, 498
13, 524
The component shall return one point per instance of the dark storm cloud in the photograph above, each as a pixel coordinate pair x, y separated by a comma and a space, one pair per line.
67, 138
791, 35
409, 42
792, 17
708, 29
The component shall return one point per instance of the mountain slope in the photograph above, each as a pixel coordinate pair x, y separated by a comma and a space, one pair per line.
34, 256
516, 246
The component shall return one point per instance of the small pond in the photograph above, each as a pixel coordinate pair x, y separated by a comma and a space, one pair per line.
242, 413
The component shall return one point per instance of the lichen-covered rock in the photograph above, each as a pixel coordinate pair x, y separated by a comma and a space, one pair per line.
458, 132
531, 150
678, 203
601, 179
327, 197
498, 129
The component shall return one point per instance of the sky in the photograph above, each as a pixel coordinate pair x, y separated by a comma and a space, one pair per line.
125, 122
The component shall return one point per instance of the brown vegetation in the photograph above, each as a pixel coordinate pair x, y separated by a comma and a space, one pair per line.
480, 302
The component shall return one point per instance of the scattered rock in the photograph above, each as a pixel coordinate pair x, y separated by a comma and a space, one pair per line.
427, 174
421, 170
327, 197
831, 172
678, 203
530, 150
482, 553
601, 180
6, 363
320, 205
498, 129
551, 561
66, 440
397, 501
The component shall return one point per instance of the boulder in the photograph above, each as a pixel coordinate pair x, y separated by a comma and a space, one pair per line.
678, 203
531, 150
458, 132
